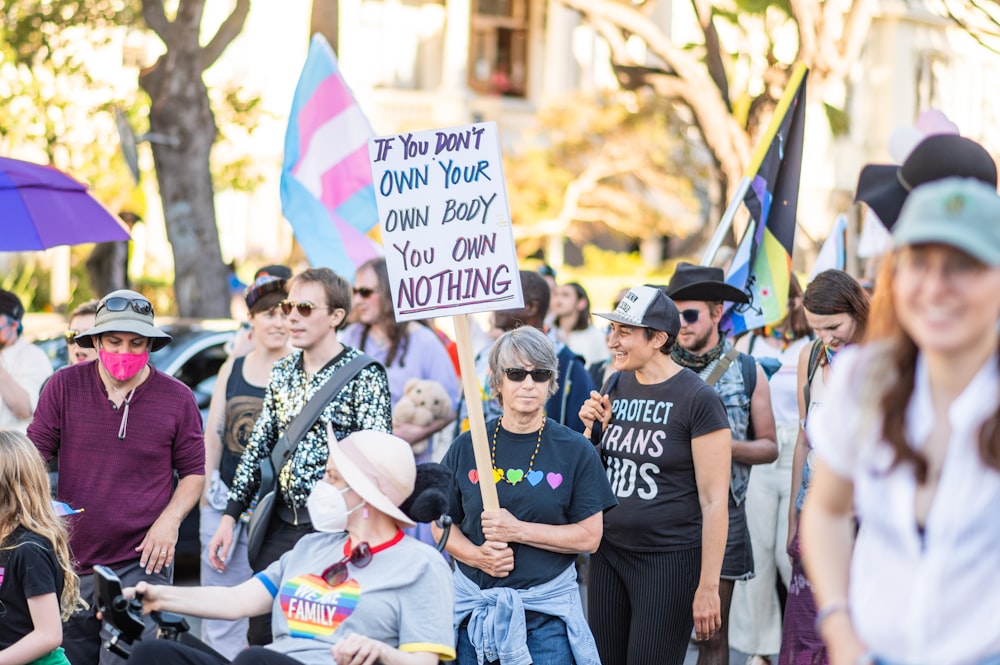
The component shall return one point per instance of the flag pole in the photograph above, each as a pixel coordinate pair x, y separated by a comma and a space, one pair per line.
727, 221
763, 145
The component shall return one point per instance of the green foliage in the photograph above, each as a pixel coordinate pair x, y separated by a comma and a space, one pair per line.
628, 157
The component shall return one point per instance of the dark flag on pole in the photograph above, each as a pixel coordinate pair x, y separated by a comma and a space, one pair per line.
762, 265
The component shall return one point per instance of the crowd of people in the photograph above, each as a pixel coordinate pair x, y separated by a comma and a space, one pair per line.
819, 490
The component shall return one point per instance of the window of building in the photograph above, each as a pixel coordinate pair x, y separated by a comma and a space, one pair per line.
498, 47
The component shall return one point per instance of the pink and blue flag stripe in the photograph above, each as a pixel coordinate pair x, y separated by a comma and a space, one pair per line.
326, 179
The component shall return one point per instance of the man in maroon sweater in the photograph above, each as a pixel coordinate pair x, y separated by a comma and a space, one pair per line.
121, 428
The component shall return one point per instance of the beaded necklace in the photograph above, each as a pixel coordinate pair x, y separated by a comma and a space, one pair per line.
531, 462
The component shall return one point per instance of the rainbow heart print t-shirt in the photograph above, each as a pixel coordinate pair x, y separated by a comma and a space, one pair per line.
403, 598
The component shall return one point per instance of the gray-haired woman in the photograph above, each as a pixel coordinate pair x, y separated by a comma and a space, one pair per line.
553, 492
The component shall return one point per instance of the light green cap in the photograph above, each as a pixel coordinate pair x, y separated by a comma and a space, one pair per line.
962, 213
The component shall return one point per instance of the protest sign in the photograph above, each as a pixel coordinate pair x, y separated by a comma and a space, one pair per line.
445, 222
449, 245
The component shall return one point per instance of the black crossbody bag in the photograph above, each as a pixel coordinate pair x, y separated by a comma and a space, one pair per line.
289, 441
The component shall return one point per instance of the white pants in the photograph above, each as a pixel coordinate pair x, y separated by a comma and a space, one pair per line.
755, 614
227, 637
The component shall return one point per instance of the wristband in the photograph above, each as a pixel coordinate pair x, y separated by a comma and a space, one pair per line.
829, 610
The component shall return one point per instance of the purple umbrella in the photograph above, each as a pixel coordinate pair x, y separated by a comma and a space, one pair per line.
42, 207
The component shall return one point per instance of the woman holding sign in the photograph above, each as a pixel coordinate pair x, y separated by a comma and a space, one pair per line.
665, 440
553, 493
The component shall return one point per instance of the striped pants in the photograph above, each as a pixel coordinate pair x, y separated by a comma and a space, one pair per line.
640, 604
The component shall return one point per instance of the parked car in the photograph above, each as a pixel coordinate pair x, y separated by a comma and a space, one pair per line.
198, 349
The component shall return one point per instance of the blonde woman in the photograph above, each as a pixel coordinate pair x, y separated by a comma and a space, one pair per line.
38, 588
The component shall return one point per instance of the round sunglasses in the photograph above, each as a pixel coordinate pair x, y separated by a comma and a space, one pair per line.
336, 574
363, 291
519, 374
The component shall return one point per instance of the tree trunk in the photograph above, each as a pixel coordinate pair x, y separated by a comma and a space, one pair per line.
180, 109
325, 20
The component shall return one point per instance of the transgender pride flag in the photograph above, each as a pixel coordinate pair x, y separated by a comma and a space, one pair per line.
326, 180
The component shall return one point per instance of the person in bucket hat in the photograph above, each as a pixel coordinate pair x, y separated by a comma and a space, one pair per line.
24, 367
664, 440
357, 587
121, 430
699, 293
917, 463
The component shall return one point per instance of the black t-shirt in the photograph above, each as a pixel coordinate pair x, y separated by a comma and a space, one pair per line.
646, 449
566, 485
28, 568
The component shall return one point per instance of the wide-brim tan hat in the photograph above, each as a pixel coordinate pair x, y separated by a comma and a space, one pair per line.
135, 316
379, 467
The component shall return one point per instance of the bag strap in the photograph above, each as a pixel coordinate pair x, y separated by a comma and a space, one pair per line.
307, 417
720, 369
814, 351
748, 367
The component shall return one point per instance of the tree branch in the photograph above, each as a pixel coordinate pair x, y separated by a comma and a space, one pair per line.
156, 18
226, 33
721, 132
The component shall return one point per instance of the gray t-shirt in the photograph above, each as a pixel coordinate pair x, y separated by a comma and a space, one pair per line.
403, 597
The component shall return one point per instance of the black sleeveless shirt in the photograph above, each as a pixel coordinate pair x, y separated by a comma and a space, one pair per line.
244, 403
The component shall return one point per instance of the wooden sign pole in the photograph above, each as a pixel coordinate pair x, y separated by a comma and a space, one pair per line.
474, 406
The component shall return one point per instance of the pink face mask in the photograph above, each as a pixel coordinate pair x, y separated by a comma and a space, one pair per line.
123, 366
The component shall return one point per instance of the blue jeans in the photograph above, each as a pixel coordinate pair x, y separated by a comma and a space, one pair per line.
547, 641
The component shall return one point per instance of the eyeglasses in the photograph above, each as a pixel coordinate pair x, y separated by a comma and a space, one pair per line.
690, 315
336, 574
70, 336
305, 309
518, 374
120, 304
363, 291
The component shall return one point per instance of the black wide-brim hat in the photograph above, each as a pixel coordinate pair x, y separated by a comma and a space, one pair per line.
703, 283
884, 187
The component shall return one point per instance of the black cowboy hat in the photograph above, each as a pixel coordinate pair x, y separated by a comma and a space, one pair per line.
704, 283
884, 187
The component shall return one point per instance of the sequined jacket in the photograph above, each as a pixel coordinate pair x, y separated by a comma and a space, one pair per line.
362, 404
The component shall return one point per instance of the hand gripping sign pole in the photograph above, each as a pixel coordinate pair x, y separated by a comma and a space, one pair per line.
449, 245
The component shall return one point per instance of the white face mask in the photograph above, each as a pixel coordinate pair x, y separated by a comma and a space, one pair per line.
327, 508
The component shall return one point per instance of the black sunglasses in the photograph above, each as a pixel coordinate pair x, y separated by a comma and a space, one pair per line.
690, 315
363, 291
120, 304
305, 309
518, 374
336, 574
70, 336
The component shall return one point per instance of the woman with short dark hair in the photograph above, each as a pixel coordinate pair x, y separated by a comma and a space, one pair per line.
552, 492
665, 441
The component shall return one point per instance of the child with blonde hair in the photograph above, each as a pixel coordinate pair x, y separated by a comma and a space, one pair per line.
38, 588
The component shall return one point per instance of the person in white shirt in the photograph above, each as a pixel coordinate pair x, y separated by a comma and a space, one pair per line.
23, 367
909, 439
575, 326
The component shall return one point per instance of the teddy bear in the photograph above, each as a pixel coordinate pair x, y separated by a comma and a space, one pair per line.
423, 402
